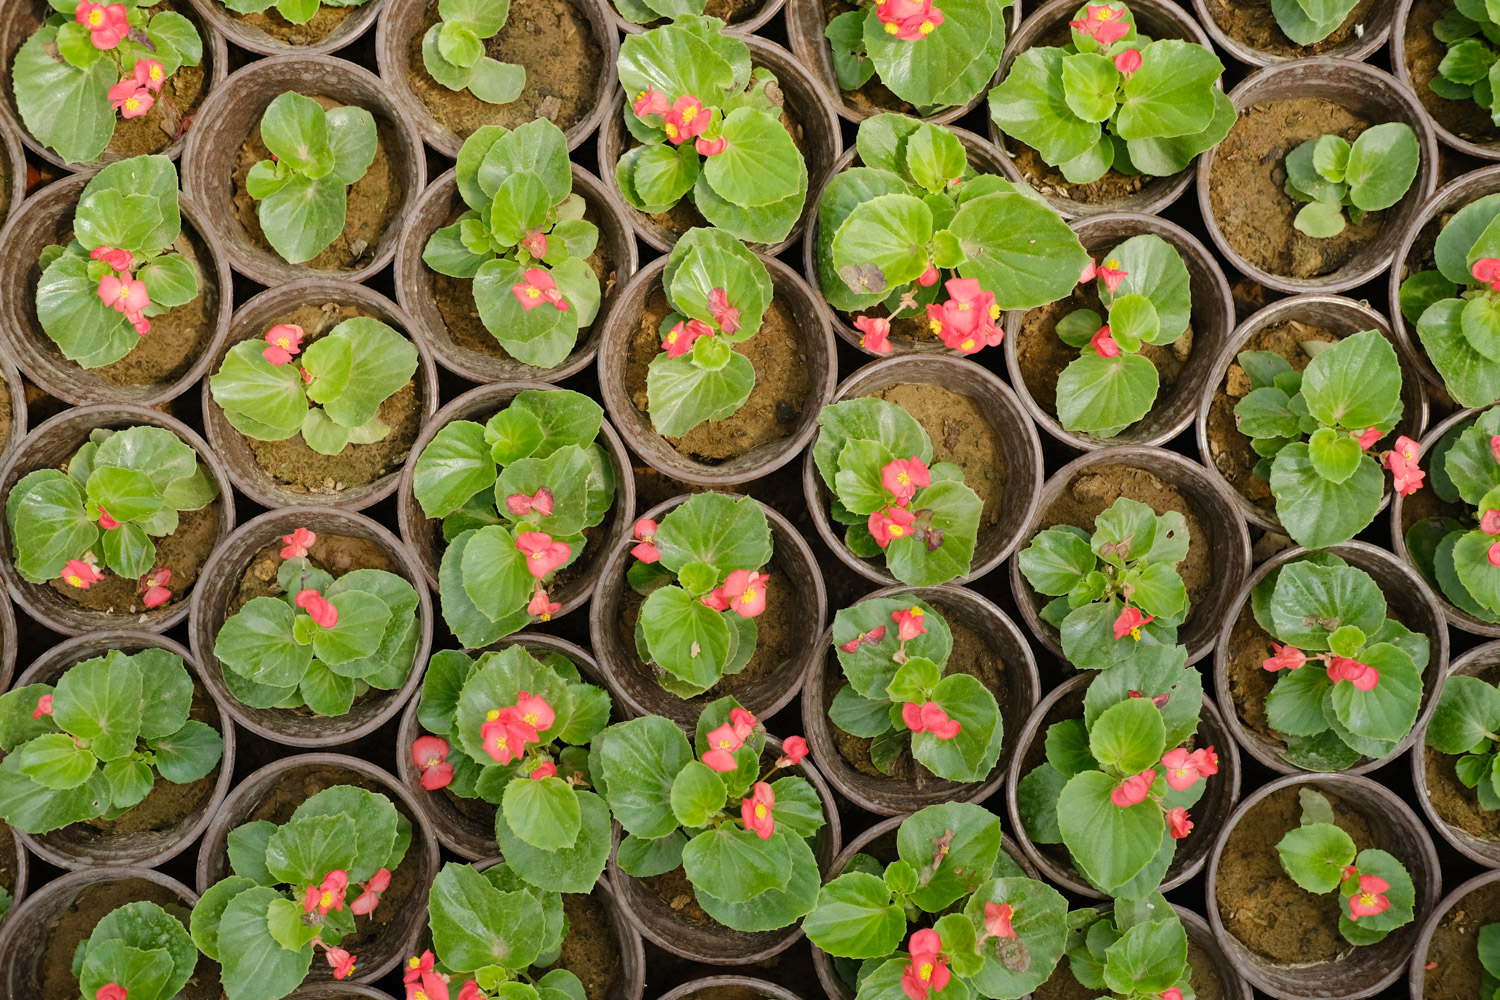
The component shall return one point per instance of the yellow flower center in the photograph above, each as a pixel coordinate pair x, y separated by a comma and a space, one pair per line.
891, 29
903, 478
671, 130
925, 971
131, 104
994, 312
1135, 633
936, 325
1104, 14
533, 292
96, 18
726, 744
748, 596
1181, 772
1113, 265
326, 900
490, 716
968, 344
927, 27
1367, 899
499, 742
531, 718
415, 963
155, 73
283, 342
916, 612
689, 113
74, 580
672, 337
124, 290
964, 307
760, 813
897, 531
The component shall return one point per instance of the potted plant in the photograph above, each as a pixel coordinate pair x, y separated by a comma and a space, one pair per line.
1456, 950
1419, 43
1272, 211
138, 949
1138, 947
277, 27
1261, 35
1455, 793
741, 17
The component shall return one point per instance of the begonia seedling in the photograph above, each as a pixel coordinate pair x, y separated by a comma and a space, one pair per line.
138, 951
1136, 950
294, 11
453, 51
1488, 943
1335, 178
1307, 22
1466, 724
1471, 31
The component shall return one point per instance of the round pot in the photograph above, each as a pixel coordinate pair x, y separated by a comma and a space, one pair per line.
14, 406
1414, 57
1478, 662
1012, 428
46, 219
1333, 313
1366, 35
1363, 972
1463, 936
77, 846
1228, 540
331, 991
9, 640
404, 20
886, 796
1415, 254
1364, 91
23, 19
1406, 594
34, 925
749, 26
620, 329
1155, 18
22, 863
806, 22
803, 98
251, 321
13, 190
732, 987
1212, 319
1221, 793
232, 115
211, 609
462, 833
418, 287
270, 35
983, 156
425, 535
48, 447
713, 943
316, 771
632, 684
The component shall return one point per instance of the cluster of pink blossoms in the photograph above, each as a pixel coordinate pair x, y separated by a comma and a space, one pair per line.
132, 95
1183, 769
681, 338
108, 24
1103, 24
683, 119
755, 811
1112, 274
902, 477
743, 591
537, 288
83, 573
506, 731
543, 555
120, 291
965, 323
1340, 668
909, 20
425, 982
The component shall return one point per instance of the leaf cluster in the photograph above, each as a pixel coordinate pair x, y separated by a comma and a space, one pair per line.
453, 51
1464, 725
140, 947
295, 11
1138, 949
1335, 178
1308, 22
1471, 31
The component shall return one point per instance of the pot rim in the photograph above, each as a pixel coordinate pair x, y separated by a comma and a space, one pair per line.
1416, 973
227, 26
1357, 49
1403, 73
749, 26
765, 989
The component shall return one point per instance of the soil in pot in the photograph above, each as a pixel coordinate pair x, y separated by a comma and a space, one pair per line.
674, 889
1246, 188
1230, 450
1259, 903
1424, 52
552, 39
961, 435
93, 904
1254, 25
591, 950
323, 23
302, 470
1457, 805
1453, 970
373, 201
1203, 975
174, 107
9, 866
778, 351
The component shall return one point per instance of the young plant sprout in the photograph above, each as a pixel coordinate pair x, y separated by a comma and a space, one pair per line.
1471, 32
1308, 22
294, 11
1336, 179
1137, 950
138, 951
1465, 725
1488, 943
453, 51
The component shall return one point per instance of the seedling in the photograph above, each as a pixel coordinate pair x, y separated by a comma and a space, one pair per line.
453, 51
1467, 71
138, 951
1489, 958
1465, 724
1308, 22
1137, 950
294, 11
1335, 178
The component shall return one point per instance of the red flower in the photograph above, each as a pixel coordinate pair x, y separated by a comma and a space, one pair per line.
1489, 522
1103, 342
1361, 675
1495, 447
120, 260
542, 607
1129, 61
1178, 824
872, 638
110, 991
283, 340
966, 322
43, 706
715, 599
155, 584
651, 102
687, 119
929, 277
909, 20
1368, 900
1104, 24
470, 991
130, 100
520, 505
904, 476
504, 735
108, 25
329, 895
927, 972
1133, 789
535, 243
726, 315
1206, 761
318, 607
1486, 271
877, 333
1406, 476
340, 961
909, 623
722, 743
645, 534
534, 711
997, 917
929, 717
679, 340
297, 543
546, 769
80, 574
746, 591
743, 722
1182, 769
543, 555
416, 968
1171, 993
106, 522
1089, 270
124, 295
430, 755
1494, 555
889, 524
1130, 623
1111, 273
710, 147
1286, 658
149, 73
755, 812
1368, 437
793, 749
538, 287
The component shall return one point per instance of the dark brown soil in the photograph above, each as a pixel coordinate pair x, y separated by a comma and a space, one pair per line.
1253, 24
552, 39
1048, 180
334, 554
374, 200
303, 470
320, 27
176, 103
778, 351
591, 951
1454, 972
1260, 904
674, 889
961, 435
8, 869
1424, 52
1246, 188
1457, 805
1231, 451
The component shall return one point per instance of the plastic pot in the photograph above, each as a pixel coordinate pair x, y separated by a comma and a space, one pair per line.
1370, 33
1209, 815
1462, 936
425, 535
1409, 600
806, 101
1228, 541
232, 115
332, 991
403, 20
223, 573
417, 284
338, 29
1333, 313
820, 360
886, 796
1481, 662
1361, 972
730, 988
78, 846
251, 321
1212, 319
713, 943
22, 863
305, 775
15, 404
467, 835
633, 685
48, 447
1012, 428
13, 190
1451, 120
1366, 92
1047, 25
749, 26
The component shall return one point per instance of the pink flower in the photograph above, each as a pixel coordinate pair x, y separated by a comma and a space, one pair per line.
470, 991
1286, 658
542, 606
710, 147
927, 972
155, 587
130, 100
1104, 24
297, 543
1130, 623
504, 734
755, 812
149, 73
746, 591
430, 755
793, 749
726, 315
1134, 789
1089, 270
1111, 273
1486, 271
1206, 761
80, 574
1172, 992
929, 717
284, 340
318, 607
416, 968
329, 895
124, 295
645, 534
110, 991
1103, 342
535, 243
679, 340
43, 706
715, 599
543, 555
1178, 824
722, 743
1494, 555
871, 638
904, 476
1489, 522
340, 961
1182, 769
1495, 447
651, 102
891, 523
909, 20
909, 624
929, 277
1129, 61
687, 119
1402, 461
106, 522
1368, 437
534, 711
120, 260
1368, 900
520, 505
997, 917
877, 333
108, 25
546, 769
1363, 676
538, 287
743, 722
966, 322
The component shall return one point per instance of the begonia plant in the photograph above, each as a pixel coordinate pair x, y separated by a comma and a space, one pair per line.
1488, 943
1374, 887
515, 495
873, 456
711, 808
288, 897
90, 60
889, 230
1313, 430
94, 744
115, 494
1465, 725
1336, 178
1117, 784
1307, 22
331, 396
294, 11
1352, 685
711, 129
929, 56
138, 951
701, 571
97, 295
1471, 31
453, 51
984, 927
1113, 99
323, 643
301, 193
1119, 582
513, 730
1136, 950
893, 652
523, 241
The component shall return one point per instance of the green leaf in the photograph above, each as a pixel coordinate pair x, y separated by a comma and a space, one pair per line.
254, 965
568, 869
1388, 711
973, 838
1314, 856
1110, 845
1315, 512
973, 753
855, 918
1056, 561
955, 512
76, 320
1171, 94
1105, 395
1128, 736
302, 218
889, 233
99, 700
1018, 248
476, 925
257, 643
189, 753
697, 794
65, 107
543, 812
1031, 105
1089, 84
46, 509
1295, 705
638, 762
1382, 165
1334, 456
1310, 601
306, 848
686, 638
1320, 219
735, 865
1354, 383
1149, 958
1467, 712
55, 761
945, 67
170, 280
204, 924
759, 164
